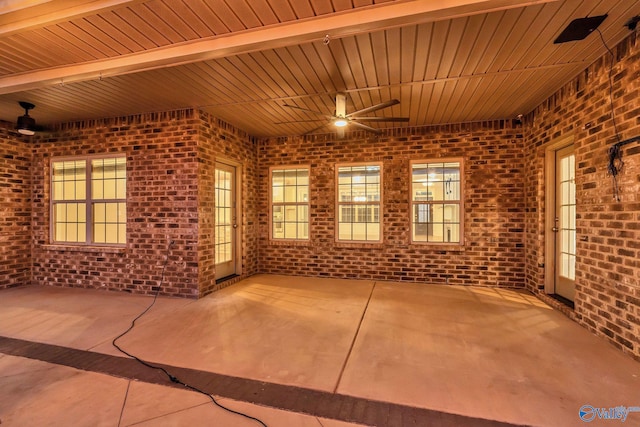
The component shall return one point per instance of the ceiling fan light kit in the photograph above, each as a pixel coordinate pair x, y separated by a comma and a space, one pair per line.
340, 122
340, 119
26, 125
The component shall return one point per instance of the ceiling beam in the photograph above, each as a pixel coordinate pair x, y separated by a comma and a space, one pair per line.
357, 21
24, 15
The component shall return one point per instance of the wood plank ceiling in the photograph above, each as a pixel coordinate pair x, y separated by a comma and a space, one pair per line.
242, 60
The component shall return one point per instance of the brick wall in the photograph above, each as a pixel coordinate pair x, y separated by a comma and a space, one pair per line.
161, 205
494, 232
219, 141
15, 209
170, 158
607, 299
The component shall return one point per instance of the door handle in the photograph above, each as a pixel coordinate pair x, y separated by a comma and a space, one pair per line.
554, 229
235, 225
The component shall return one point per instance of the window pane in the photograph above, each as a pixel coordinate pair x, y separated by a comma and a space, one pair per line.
69, 183
99, 212
373, 232
99, 233
69, 179
344, 231
359, 231
58, 192
437, 235
121, 189
451, 213
72, 233
111, 212
303, 230
69, 191
436, 182
60, 213
61, 232
344, 193
303, 177
81, 190
277, 178
122, 233
303, 213
289, 199
72, 212
290, 214
122, 213
97, 190
290, 193
358, 218
303, 194
290, 230
277, 194
451, 233
109, 191
111, 233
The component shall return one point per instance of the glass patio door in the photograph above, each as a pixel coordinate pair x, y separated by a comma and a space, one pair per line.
225, 220
565, 223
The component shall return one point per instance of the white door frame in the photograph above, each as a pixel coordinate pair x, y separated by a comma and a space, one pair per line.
237, 231
550, 214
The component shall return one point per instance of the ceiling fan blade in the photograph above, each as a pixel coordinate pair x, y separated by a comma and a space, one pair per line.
381, 119
374, 107
315, 129
365, 127
307, 110
298, 121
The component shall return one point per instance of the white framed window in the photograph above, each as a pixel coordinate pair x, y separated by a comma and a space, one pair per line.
437, 203
359, 202
289, 203
89, 200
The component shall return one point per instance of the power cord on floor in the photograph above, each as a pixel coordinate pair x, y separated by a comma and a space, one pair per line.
171, 377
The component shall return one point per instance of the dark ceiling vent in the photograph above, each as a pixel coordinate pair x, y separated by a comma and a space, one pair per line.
580, 28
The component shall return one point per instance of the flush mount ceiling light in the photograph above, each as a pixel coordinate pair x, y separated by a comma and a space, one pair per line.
26, 124
580, 28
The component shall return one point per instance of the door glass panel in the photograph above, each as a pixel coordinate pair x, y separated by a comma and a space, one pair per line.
224, 217
567, 217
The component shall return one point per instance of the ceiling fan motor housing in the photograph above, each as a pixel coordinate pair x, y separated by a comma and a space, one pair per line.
26, 124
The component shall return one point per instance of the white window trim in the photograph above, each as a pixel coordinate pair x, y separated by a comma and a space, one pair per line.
338, 204
460, 202
271, 204
88, 200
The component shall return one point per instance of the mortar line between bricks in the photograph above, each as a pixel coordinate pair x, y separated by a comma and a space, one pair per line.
353, 341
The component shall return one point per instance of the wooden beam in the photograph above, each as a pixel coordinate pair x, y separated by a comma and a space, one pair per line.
23, 15
357, 21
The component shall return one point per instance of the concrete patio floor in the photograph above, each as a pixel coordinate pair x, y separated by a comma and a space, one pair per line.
485, 354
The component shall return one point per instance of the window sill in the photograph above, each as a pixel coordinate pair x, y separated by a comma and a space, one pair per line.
86, 248
284, 242
360, 245
443, 247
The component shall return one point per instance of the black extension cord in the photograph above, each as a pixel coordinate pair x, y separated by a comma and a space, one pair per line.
615, 156
171, 377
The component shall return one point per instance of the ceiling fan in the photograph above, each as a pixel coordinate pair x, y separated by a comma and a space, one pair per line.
341, 119
26, 125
